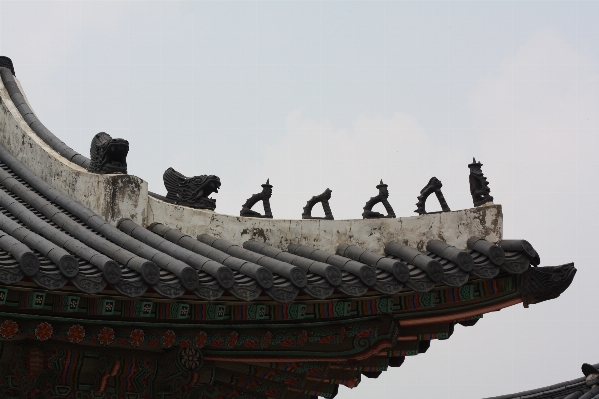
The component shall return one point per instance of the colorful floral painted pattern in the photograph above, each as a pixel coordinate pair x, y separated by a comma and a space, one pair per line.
168, 339
76, 333
267, 339
252, 343
9, 329
366, 333
137, 337
232, 339
329, 339
201, 339
303, 338
342, 334
106, 336
288, 342
43, 331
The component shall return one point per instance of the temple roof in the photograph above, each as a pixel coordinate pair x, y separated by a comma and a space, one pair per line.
573, 389
239, 306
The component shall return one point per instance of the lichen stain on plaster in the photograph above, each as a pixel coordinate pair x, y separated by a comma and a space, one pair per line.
255, 232
490, 218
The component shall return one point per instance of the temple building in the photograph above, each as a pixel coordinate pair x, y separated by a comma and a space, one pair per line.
586, 387
108, 290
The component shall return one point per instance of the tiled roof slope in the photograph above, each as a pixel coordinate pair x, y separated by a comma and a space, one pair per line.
574, 389
74, 244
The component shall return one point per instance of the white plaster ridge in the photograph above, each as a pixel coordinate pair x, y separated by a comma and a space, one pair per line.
111, 196
372, 234
126, 196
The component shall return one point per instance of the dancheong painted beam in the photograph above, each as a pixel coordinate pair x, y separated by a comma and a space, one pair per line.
109, 291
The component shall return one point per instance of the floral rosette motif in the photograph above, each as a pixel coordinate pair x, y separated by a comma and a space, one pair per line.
266, 340
201, 339
43, 331
168, 339
191, 358
232, 339
137, 337
9, 329
76, 333
106, 336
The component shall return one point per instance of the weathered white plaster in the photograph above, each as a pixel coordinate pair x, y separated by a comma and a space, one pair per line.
453, 227
126, 196
111, 196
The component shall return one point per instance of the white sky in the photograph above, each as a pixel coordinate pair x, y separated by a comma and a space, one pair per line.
341, 94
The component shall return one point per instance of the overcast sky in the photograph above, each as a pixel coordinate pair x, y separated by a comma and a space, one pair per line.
342, 94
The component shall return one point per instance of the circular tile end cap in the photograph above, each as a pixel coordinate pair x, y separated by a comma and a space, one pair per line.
298, 277
368, 276
29, 264
435, 271
112, 272
68, 265
150, 272
465, 261
189, 278
225, 277
264, 278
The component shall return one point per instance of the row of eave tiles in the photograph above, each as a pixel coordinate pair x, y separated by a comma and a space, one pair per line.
246, 273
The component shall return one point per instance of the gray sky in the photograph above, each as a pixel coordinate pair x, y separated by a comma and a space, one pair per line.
341, 94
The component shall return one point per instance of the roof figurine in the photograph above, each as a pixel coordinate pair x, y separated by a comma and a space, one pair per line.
382, 197
108, 155
161, 297
264, 196
324, 200
479, 186
433, 186
191, 191
545, 283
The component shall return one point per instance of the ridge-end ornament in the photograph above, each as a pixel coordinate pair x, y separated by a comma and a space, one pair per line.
382, 197
324, 200
433, 186
108, 155
193, 191
479, 185
264, 196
